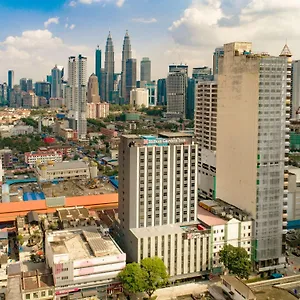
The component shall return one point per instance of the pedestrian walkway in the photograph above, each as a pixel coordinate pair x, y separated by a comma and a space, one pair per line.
181, 290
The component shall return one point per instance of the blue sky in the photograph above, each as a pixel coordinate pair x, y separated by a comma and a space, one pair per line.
37, 34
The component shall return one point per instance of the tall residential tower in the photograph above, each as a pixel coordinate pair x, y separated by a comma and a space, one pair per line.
253, 144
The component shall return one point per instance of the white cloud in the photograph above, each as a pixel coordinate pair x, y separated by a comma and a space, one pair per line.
66, 25
34, 53
120, 3
51, 21
143, 20
72, 26
205, 25
72, 3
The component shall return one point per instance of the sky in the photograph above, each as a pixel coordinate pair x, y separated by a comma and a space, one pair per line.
37, 34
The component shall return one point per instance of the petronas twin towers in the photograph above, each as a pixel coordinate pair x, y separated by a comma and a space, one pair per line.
109, 66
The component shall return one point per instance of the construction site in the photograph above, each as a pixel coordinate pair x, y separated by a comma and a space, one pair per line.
78, 187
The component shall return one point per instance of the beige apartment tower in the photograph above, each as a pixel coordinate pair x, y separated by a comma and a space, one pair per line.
206, 136
93, 90
253, 144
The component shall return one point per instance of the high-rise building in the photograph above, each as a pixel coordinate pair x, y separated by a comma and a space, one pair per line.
109, 67
152, 90
202, 73
82, 81
93, 90
126, 54
4, 94
190, 98
11, 79
146, 69
10, 86
139, 97
102, 84
130, 77
177, 83
76, 94
218, 52
43, 89
295, 104
29, 84
98, 66
49, 79
253, 144
23, 84
56, 78
162, 91
157, 185
206, 134
157, 195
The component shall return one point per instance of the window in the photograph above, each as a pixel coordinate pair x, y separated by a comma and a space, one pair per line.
50, 292
64, 278
35, 295
43, 294
27, 296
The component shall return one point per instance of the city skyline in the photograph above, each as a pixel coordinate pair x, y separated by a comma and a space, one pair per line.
54, 30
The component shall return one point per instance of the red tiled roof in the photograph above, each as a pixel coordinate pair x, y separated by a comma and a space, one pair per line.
9, 211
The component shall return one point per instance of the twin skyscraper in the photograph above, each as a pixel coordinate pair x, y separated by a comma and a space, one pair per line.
114, 86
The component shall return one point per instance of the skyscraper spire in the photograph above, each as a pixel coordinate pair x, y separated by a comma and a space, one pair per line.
126, 54
109, 66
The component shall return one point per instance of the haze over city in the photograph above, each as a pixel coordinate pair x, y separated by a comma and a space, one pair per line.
37, 34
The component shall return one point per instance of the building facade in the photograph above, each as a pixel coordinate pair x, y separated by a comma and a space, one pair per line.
206, 136
62, 170
130, 77
252, 160
97, 110
43, 89
126, 54
85, 262
76, 93
42, 156
6, 158
98, 66
139, 97
217, 54
56, 76
295, 103
177, 83
109, 68
93, 90
145, 70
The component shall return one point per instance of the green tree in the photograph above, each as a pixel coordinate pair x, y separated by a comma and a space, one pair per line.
236, 260
154, 274
132, 279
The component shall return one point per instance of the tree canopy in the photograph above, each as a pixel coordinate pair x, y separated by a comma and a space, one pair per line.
236, 260
147, 276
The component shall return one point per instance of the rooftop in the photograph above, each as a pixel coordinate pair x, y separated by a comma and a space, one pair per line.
175, 134
35, 279
72, 213
82, 244
66, 165
208, 218
189, 228
296, 171
239, 286
218, 211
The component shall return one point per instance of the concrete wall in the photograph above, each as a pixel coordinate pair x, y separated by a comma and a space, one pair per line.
237, 130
